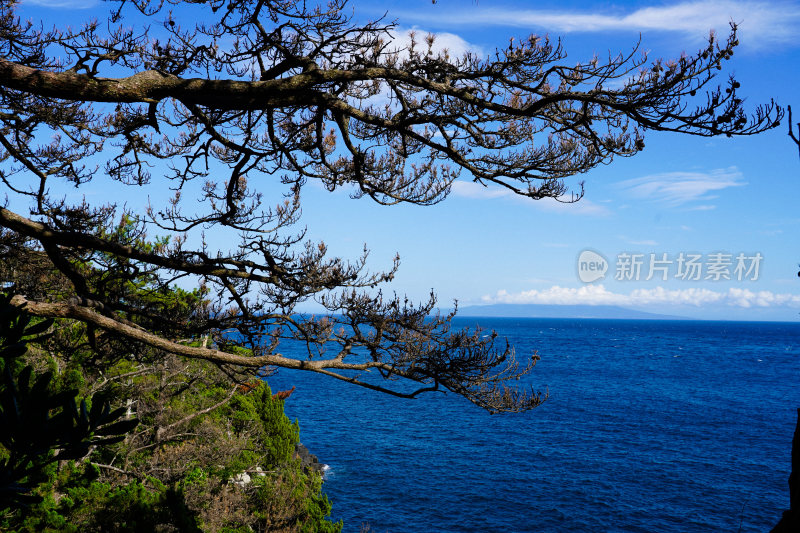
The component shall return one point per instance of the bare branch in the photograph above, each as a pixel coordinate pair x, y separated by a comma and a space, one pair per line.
795, 138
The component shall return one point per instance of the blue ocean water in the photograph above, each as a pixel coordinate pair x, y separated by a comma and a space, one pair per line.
650, 426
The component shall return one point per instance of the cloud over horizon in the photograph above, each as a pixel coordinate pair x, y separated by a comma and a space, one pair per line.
599, 295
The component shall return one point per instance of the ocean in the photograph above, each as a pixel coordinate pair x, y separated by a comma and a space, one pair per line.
649, 426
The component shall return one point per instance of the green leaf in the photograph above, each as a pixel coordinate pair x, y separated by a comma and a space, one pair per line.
118, 428
116, 413
13, 351
39, 327
98, 406
23, 381
39, 389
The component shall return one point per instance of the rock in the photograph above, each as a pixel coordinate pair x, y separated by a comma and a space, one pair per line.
308, 460
241, 479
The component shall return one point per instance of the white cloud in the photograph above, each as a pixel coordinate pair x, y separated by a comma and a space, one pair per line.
599, 295
679, 188
444, 44
470, 189
748, 298
761, 23
63, 4
443, 41
581, 207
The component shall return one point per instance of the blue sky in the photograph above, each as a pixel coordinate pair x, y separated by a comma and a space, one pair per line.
712, 199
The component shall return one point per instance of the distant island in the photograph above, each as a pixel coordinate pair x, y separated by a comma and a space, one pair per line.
561, 311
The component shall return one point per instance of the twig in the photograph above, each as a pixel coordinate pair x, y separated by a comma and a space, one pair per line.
114, 468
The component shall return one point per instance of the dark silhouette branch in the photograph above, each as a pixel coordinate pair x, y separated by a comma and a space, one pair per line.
795, 138
790, 521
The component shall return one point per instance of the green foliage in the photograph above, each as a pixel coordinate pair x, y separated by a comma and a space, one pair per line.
182, 468
37, 420
86, 503
282, 496
276, 433
190, 485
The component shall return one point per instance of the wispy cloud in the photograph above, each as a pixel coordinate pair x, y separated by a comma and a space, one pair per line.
680, 188
470, 189
63, 4
599, 295
761, 23
639, 242
581, 207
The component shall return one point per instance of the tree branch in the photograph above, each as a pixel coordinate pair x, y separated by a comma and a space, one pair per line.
89, 316
161, 431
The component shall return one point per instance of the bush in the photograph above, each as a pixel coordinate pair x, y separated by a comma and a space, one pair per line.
94, 469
